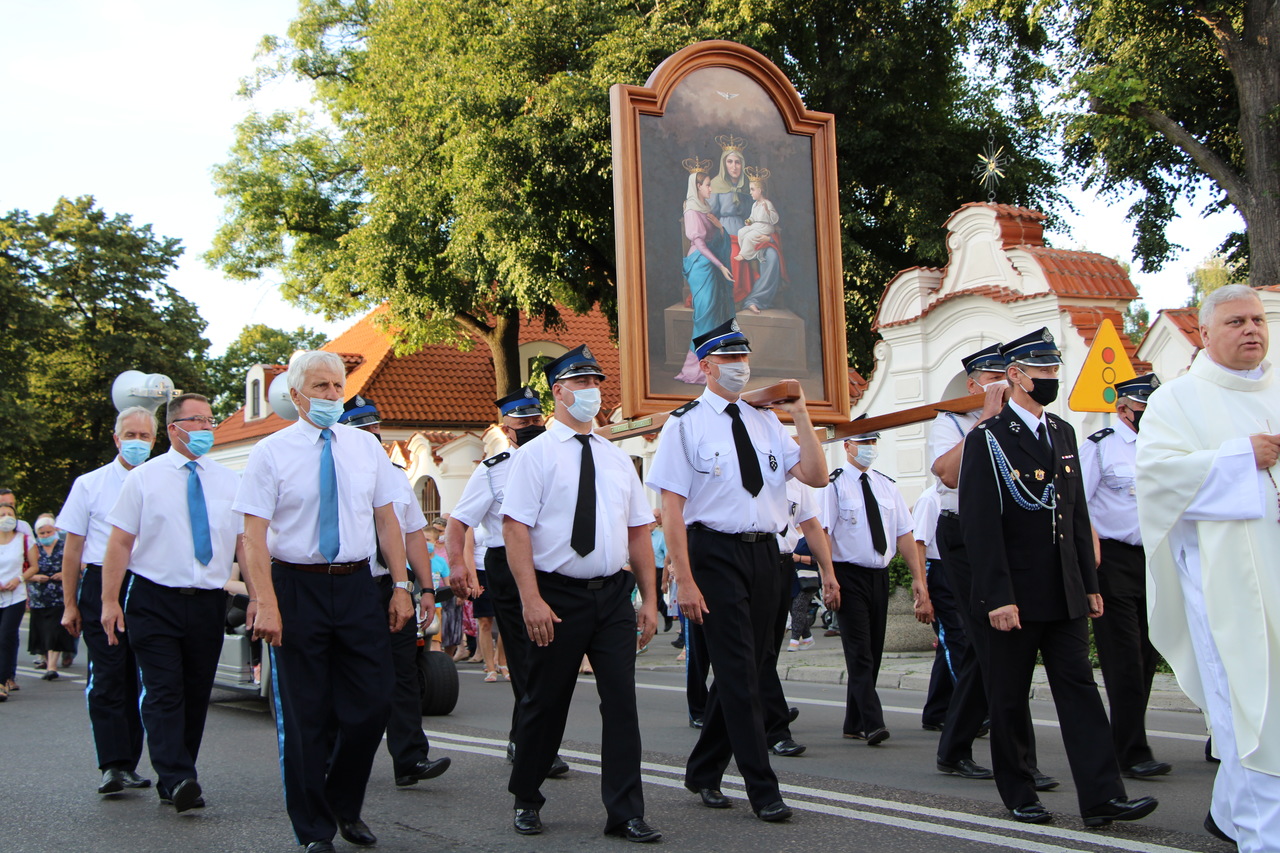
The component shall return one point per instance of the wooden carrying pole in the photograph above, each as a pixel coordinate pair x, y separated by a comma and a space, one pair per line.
789, 389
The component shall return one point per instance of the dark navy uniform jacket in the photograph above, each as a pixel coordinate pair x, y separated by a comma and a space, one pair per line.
1039, 559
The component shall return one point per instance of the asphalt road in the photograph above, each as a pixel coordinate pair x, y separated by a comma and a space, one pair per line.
847, 796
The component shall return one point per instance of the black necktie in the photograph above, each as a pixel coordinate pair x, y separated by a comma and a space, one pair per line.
1043, 435
583, 539
874, 521
748, 462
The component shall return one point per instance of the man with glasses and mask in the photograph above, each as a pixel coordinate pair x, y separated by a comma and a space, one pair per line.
1108, 462
480, 510
313, 495
112, 694
174, 533
1027, 536
722, 468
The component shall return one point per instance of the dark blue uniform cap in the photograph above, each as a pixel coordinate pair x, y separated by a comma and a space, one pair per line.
1139, 388
359, 412
866, 436
988, 358
724, 339
523, 403
1036, 348
576, 362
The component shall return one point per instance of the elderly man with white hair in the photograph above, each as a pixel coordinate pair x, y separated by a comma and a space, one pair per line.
312, 495
112, 695
1207, 505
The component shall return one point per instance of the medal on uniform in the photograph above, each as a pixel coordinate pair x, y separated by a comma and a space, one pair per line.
773, 462
1039, 474
1068, 468
1016, 473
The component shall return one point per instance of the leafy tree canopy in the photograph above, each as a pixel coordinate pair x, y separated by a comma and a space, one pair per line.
93, 289
256, 344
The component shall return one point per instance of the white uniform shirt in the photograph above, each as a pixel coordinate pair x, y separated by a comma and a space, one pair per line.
924, 520
542, 491
281, 483
696, 459
800, 508
85, 512
480, 506
1109, 469
153, 507
411, 520
947, 431
846, 518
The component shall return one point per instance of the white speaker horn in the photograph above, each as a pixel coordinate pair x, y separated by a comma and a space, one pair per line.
278, 397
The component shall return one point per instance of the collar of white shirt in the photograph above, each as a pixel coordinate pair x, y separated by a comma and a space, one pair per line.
312, 432
1126, 432
1032, 422
177, 460
563, 432
1252, 373
716, 402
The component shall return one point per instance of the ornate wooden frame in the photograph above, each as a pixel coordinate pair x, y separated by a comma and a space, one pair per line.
628, 104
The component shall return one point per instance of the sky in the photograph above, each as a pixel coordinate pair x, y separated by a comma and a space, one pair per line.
134, 102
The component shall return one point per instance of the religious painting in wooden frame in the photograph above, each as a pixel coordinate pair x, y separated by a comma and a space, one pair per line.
725, 204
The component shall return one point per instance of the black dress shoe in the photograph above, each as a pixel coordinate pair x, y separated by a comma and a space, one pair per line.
424, 769
984, 729
133, 780
855, 735
1147, 769
320, 847
774, 812
558, 768
875, 737
511, 752
712, 798
792, 713
527, 822
678, 642
185, 795
931, 727
1211, 827
787, 748
635, 830
1119, 809
1032, 812
966, 768
695, 722
112, 781
356, 832
1045, 783
167, 800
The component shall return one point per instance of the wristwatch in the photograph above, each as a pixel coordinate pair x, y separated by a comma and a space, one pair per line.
407, 586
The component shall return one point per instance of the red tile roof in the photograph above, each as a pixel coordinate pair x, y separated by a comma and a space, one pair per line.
1086, 321
438, 386
1083, 274
990, 291
857, 386
1185, 320
1019, 226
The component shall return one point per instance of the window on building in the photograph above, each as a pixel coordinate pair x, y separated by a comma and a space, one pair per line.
255, 399
429, 497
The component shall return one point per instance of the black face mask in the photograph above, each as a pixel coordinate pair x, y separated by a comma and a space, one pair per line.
524, 435
1137, 416
1043, 391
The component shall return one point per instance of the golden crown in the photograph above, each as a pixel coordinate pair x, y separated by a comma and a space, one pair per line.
757, 174
730, 142
694, 165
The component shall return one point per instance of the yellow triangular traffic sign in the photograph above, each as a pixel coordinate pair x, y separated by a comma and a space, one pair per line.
1106, 364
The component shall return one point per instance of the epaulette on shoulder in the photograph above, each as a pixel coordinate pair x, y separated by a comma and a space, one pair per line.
1101, 434
495, 459
835, 475
886, 476
398, 465
685, 408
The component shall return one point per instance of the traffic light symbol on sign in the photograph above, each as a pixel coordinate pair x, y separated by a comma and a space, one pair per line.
1106, 364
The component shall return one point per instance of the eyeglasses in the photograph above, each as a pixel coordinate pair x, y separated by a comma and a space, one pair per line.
211, 423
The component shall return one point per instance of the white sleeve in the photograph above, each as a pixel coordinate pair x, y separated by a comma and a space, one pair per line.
74, 517
1090, 468
639, 513
806, 506
924, 519
258, 493
523, 499
904, 514
127, 513
476, 498
670, 470
944, 434
1221, 497
389, 486
413, 519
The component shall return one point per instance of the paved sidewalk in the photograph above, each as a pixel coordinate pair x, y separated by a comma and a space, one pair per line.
823, 663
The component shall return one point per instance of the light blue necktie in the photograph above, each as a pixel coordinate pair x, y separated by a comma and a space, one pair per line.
329, 541
199, 515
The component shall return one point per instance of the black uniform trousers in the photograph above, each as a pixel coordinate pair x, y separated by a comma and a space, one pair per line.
949, 633
697, 666
1064, 647
509, 614
332, 682
741, 585
777, 714
864, 608
112, 694
176, 636
599, 622
1124, 649
968, 708
406, 742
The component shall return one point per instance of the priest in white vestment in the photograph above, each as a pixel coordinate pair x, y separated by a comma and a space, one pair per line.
1207, 505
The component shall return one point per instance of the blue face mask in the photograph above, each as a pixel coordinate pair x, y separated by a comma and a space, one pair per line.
586, 402
47, 540
324, 413
200, 442
134, 452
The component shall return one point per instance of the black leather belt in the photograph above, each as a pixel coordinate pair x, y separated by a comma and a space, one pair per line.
180, 590
585, 583
751, 536
950, 513
326, 568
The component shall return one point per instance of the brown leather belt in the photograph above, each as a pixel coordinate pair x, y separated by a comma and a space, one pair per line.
325, 568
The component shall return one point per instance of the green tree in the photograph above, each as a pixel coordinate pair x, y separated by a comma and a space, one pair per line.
104, 280
463, 167
256, 344
1211, 274
1165, 97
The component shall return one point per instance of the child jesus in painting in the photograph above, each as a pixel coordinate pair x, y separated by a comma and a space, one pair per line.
762, 222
